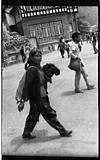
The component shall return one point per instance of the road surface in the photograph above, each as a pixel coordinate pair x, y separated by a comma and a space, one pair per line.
78, 112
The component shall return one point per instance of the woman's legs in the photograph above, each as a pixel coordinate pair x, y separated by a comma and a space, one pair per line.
31, 121
83, 72
50, 116
77, 81
85, 76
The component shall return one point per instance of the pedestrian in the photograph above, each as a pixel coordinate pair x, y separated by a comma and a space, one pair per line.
88, 38
76, 54
81, 40
27, 51
22, 54
80, 46
61, 46
34, 91
67, 47
94, 40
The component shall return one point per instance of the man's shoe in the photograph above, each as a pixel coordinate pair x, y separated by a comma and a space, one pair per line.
66, 134
78, 91
28, 136
90, 87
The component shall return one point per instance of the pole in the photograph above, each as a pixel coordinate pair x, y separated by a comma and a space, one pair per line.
76, 27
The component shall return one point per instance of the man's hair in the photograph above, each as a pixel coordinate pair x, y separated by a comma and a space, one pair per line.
75, 35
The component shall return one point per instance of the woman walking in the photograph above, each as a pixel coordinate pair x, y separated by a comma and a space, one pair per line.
34, 91
75, 54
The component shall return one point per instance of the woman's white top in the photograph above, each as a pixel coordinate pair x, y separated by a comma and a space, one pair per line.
75, 51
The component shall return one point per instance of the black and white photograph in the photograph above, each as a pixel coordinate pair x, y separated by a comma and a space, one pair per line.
49, 79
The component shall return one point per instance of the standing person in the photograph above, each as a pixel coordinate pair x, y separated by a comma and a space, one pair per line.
67, 47
94, 40
80, 46
34, 91
22, 54
61, 46
88, 38
75, 53
27, 51
81, 40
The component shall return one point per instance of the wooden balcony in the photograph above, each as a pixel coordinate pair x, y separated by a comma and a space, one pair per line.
30, 11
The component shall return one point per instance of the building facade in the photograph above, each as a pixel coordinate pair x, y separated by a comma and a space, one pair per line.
43, 25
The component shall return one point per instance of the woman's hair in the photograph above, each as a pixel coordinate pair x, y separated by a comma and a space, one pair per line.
32, 53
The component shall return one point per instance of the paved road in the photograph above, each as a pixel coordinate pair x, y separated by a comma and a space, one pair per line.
78, 112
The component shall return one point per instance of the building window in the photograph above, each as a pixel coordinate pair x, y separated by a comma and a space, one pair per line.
45, 33
40, 33
46, 30
70, 27
58, 28
52, 29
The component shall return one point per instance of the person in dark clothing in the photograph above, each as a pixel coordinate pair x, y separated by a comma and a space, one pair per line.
67, 47
94, 40
34, 91
49, 69
61, 46
22, 54
88, 38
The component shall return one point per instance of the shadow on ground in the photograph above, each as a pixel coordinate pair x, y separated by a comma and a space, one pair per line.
68, 93
17, 142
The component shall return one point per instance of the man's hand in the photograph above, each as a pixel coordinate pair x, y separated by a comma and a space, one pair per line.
20, 106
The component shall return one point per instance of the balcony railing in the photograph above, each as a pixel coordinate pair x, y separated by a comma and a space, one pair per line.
30, 11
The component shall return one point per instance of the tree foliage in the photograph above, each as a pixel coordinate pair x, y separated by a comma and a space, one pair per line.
13, 41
